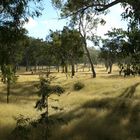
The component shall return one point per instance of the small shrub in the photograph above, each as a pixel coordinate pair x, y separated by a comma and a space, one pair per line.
77, 86
57, 89
22, 130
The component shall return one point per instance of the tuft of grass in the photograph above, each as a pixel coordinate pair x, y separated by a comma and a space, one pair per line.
78, 86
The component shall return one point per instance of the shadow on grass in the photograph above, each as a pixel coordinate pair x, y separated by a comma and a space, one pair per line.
24, 89
103, 119
19, 92
109, 118
37, 73
111, 76
102, 70
115, 76
129, 92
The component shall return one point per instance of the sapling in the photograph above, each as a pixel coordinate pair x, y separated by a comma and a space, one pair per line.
45, 90
8, 77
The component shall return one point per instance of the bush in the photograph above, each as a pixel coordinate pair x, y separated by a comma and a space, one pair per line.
77, 86
22, 129
57, 89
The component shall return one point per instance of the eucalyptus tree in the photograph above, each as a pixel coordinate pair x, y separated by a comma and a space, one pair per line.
54, 48
34, 53
17, 12
86, 22
72, 44
131, 7
66, 47
128, 41
123, 46
10, 54
13, 15
112, 49
72, 8
109, 53
132, 48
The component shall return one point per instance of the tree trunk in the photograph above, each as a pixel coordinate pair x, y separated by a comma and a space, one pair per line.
72, 70
58, 68
66, 69
76, 67
83, 68
89, 68
46, 131
106, 65
63, 69
35, 67
110, 68
27, 65
90, 60
8, 90
49, 68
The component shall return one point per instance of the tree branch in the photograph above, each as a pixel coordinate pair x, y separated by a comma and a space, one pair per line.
102, 7
105, 7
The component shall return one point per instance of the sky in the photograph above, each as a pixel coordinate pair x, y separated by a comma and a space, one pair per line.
39, 27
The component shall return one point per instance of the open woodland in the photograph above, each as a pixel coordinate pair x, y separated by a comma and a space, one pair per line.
74, 84
107, 107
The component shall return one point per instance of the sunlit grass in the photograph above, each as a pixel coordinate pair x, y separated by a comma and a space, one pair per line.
99, 111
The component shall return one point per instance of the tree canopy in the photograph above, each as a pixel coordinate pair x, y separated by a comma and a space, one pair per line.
70, 7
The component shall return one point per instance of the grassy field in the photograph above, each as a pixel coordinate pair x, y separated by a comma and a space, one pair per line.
107, 108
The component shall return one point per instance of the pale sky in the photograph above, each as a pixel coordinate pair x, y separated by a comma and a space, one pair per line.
39, 27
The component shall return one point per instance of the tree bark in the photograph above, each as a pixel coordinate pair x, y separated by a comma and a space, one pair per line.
35, 67
90, 60
110, 68
66, 69
49, 68
82, 30
89, 68
63, 69
72, 70
107, 6
58, 68
106, 65
76, 67
27, 65
8, 90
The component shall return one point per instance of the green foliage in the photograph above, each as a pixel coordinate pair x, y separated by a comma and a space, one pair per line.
16, 12
72, 43
13, 15
22, 130
72, 7
65, 46
45, 90
8, 77
78, 86
8, 74
94, 54
57, 89
27, 128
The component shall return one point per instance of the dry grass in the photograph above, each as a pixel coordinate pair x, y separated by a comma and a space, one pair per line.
107, 108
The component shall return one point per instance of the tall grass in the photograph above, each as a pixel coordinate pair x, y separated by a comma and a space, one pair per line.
107, 108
